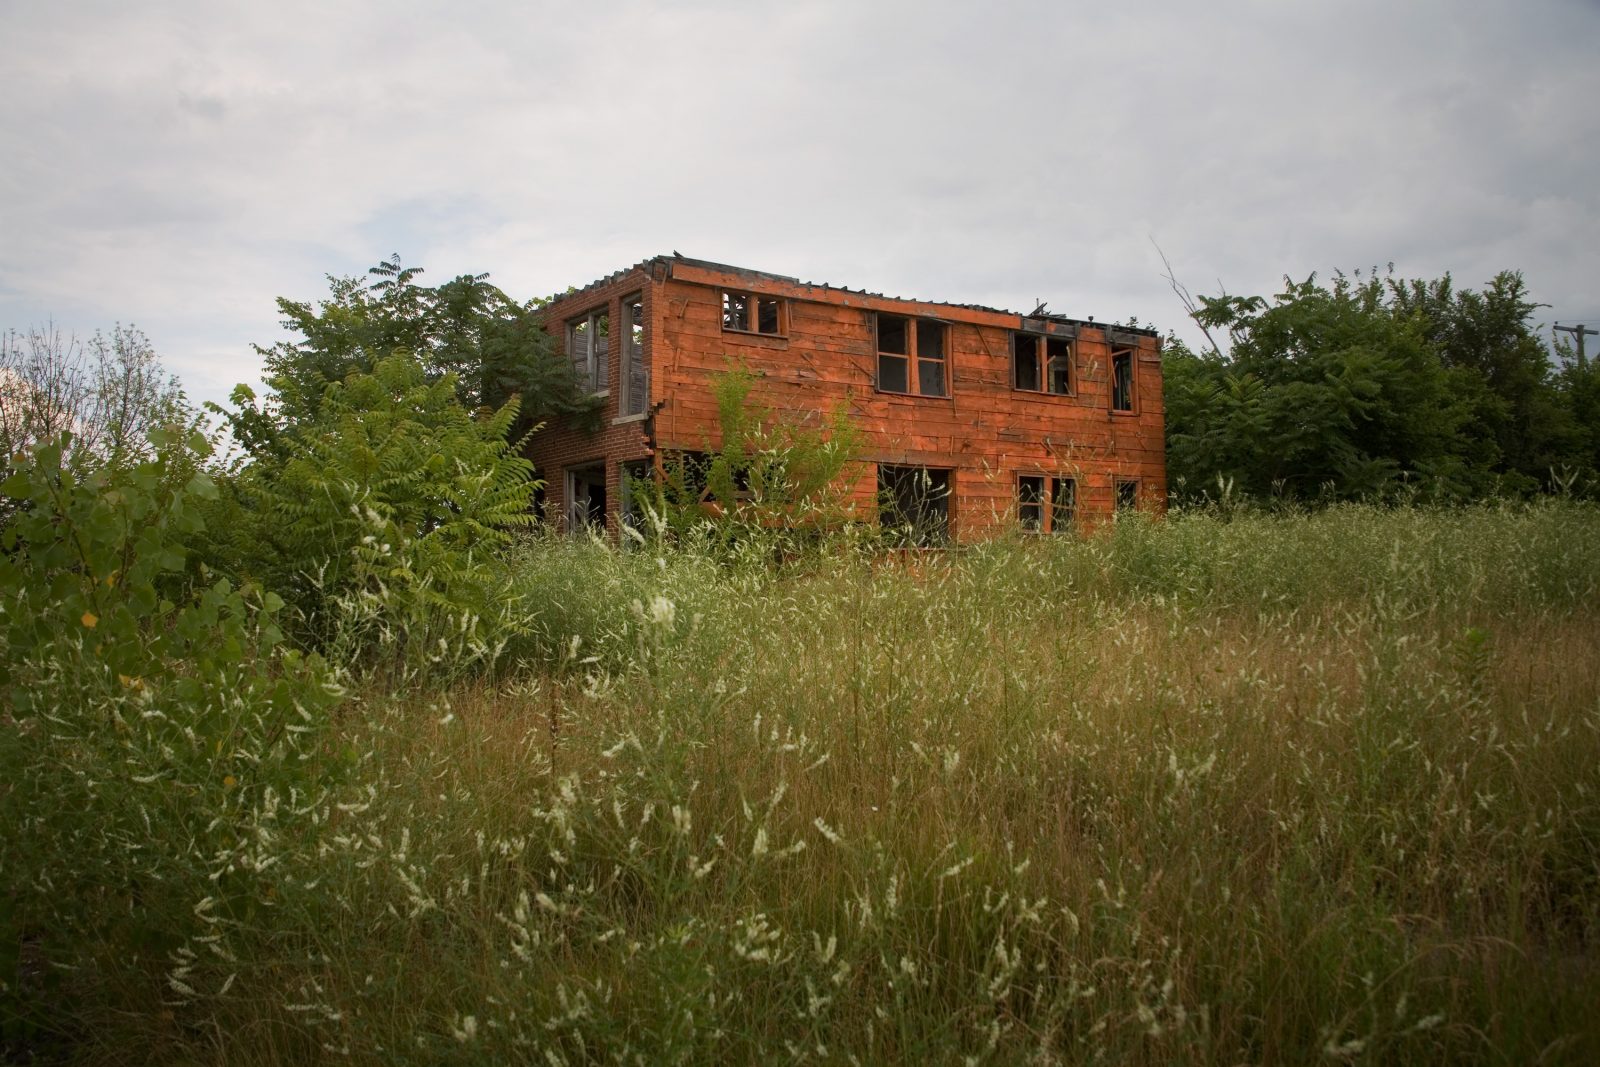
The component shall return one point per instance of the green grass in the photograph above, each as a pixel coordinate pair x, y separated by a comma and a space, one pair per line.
1247, 789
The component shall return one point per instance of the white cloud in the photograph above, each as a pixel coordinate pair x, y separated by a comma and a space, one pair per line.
181, 165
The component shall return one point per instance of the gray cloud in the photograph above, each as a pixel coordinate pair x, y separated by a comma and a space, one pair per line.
183, 164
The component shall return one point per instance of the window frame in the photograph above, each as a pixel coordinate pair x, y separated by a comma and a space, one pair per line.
913, 357
919, 531
634, 342
1132, 406
754, 300
1048, 503
1118, 484
589, 319
1042, 361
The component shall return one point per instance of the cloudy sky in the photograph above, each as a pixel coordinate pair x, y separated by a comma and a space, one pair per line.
180, 165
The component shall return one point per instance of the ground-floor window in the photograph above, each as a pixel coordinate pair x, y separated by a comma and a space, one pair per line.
638, 493
914, 504
1127, 494
586, 498
1046, 504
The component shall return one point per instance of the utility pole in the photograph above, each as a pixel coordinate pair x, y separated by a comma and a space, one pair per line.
1578, 331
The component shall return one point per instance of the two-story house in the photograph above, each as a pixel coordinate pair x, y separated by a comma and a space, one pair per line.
970, 418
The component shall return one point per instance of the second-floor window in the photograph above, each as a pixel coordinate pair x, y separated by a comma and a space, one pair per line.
912, 355
1122, 380
589, 348
635, 385
752, 313
1042, 364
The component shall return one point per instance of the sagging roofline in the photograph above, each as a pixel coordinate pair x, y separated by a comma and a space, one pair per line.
708, 272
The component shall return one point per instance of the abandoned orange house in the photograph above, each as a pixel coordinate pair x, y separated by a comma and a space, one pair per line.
970, 419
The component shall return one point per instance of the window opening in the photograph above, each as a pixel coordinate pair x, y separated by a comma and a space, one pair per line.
1051, 512
904, 347
894, 360
747, 313
586, 499
930, 358
635, 387
1041, 364
914, 504
1063, 504
589, 348
1127, 494
1030, 501
1025, 361
1058, 356
1122, 380
637, 493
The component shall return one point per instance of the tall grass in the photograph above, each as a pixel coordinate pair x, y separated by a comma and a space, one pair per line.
1218, 789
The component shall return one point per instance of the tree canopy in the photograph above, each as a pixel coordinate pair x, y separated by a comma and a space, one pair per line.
492, 348
1369, 386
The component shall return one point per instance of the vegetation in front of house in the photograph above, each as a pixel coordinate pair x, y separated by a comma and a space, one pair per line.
1224, 788
324, 753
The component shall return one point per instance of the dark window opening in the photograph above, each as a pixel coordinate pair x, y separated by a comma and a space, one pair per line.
747, 313
1127, 494
1063, 504
1122, 381
903, 350
767, 316
1051, 513
635, 387
1025, 361
638, 493
1030, 501
586, 499
736, 311
1058, 357
914, 504
894, 362
930, 358
1041, 364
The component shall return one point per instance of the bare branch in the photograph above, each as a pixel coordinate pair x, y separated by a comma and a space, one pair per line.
1183, 294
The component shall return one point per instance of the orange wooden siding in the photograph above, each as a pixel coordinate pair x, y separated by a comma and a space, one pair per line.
826, 359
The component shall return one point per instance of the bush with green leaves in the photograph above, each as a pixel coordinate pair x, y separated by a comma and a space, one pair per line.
769, 472
385, 518
148, 707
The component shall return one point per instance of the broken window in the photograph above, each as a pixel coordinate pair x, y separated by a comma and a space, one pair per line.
1046, 504
1122, 380
1127, 494
1041, 364
914, 504
638, 494
752, 313
586, 498
905, 345
1030, 501
1063, 504
589, 348
635, 388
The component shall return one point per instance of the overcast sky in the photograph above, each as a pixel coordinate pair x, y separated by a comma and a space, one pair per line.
180, 165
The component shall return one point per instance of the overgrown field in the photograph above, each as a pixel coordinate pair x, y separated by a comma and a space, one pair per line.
1220, 789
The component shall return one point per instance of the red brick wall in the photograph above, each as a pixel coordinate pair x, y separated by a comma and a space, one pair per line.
558, 447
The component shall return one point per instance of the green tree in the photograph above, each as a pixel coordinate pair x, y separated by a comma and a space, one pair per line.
1369, 386
492, 348
391, 491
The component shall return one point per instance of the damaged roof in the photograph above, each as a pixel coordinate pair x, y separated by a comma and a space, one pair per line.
759, 275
